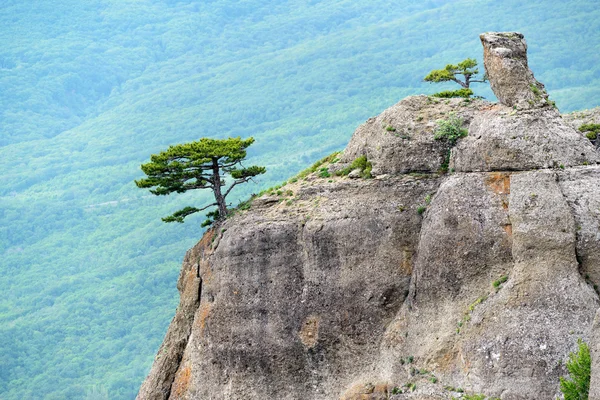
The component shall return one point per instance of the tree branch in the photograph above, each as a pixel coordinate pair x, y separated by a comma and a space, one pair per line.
180, 215
236, 183
210, 205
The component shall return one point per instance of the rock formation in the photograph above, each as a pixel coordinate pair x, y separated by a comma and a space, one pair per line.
415, 284
505, 60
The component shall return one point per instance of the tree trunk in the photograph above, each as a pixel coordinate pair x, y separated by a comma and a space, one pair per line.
461, 83
217, 189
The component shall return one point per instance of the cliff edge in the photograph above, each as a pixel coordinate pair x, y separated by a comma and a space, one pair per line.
406, 267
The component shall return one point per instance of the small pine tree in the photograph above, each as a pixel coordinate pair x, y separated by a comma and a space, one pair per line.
467, 68
579, 367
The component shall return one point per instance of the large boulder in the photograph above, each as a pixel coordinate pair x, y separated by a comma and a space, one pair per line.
502, 139
401, 139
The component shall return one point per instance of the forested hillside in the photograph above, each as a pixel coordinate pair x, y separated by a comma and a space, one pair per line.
88, 90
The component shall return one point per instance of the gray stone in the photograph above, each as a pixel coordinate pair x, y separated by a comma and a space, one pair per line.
355, 174
502, 139
410, 146
523, 333
595, 353
294, 303
505, 60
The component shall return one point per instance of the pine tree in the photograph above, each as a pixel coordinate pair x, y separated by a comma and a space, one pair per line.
199, 165
579, 367
467, 68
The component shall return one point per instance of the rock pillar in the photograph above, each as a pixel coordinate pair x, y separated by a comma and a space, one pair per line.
505, 60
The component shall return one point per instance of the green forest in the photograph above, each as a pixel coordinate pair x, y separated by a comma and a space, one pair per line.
88, 90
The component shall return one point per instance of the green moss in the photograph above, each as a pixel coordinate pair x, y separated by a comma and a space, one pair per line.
324, 173
591, 135
473, 397
468, 312
590, 127
476, 303
329, 159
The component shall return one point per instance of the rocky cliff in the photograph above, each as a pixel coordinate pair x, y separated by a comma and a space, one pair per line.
406, 267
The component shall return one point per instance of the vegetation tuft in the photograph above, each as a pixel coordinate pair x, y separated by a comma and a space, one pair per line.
497, 284
361, 163
579, 367
330, 159
591, 130
450, 129
447, 94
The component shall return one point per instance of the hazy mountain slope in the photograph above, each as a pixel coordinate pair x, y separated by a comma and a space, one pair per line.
87, 92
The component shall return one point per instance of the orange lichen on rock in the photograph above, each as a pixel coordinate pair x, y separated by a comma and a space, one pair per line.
499, 182
367, 391
446, 358
181, 383
202, 316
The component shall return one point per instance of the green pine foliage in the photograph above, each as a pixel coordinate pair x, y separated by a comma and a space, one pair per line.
467, 68
447, 94
579, 367
202, 164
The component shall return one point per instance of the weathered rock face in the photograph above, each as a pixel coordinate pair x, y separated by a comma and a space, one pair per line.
400, 140
506, 341
500, 139
505, 60
481, 279
292, 293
